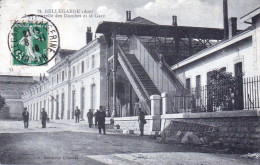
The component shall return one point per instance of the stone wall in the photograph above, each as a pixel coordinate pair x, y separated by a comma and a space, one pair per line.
131, 123
236, 129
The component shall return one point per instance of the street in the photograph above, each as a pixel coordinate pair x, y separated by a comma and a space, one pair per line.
65, 142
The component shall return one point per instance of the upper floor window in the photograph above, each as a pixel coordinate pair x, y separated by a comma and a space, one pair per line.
78, 65
87, 63
73, 71
82, 66
93, 61
62, 75
57, 78
65, 73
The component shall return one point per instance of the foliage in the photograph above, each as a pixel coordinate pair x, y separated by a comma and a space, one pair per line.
222, 87
2, 102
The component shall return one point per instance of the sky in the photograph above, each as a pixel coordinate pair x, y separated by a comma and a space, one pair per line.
197, 13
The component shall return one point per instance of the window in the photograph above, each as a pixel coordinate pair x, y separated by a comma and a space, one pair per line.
78, 65
198, 87
62, 105
73, 103
188, 84
93, 96
52, 80
73, 71
238, 69
62, 75
239, 104
57, 78
93, 61
57, 107
82, 66
87, 63
82, 105
65, 73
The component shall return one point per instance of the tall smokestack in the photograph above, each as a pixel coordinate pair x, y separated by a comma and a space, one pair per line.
225, 18
232, 23
174, 20
88, 35
128, 15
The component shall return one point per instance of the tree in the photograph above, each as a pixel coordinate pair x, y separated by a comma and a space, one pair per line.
222, 89
2, 102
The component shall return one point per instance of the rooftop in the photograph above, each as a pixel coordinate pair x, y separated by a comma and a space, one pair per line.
246, 18
141, 29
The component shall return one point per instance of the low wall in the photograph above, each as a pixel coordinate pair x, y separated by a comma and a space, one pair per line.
237, 129
4, 113
131, 123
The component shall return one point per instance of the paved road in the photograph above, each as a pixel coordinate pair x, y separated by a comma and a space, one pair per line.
71, 143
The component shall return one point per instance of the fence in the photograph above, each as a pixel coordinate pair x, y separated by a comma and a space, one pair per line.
239, 96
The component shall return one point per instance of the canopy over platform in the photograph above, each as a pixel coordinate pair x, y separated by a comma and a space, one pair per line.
129, 28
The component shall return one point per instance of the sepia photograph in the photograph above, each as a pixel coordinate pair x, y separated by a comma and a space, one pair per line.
130, 82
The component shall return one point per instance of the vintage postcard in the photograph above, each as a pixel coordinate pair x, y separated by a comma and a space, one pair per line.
130, 82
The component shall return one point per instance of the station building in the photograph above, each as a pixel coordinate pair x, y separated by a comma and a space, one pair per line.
76, 79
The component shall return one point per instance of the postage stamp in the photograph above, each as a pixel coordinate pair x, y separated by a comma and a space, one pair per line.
33, 40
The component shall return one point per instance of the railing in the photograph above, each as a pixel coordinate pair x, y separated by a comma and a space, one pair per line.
243, 95
251, 90
161, 75
143, 93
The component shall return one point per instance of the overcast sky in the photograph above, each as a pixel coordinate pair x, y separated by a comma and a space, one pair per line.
202, 13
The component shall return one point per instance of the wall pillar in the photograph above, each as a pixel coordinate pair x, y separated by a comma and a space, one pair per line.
164, 110
155, 123
164, 102
114, 113
256, 45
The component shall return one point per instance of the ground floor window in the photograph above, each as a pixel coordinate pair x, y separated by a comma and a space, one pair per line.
62, 105
73, 103
93, 96
82, 103
57, 107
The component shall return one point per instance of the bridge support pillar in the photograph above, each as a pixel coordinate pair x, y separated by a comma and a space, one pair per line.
155, 123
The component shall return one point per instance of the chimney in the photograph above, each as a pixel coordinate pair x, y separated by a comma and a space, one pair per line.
225, 18
232, 24
174, 20
128, 15
89, 35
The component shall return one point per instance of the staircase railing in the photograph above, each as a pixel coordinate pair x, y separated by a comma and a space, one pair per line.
173, 77
144, 93
160, 73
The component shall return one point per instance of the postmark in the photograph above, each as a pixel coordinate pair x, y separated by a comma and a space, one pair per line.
33, 40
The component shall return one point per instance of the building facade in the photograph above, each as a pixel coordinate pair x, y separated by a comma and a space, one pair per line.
11, 88
238, 54
76, 79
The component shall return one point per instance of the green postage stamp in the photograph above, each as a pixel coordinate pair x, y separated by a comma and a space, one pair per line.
30, 45
33, 41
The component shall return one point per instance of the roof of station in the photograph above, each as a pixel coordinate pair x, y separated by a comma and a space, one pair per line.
250, 15
140, 29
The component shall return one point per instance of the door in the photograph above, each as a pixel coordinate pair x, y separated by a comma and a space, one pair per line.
93, 96
238, 96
